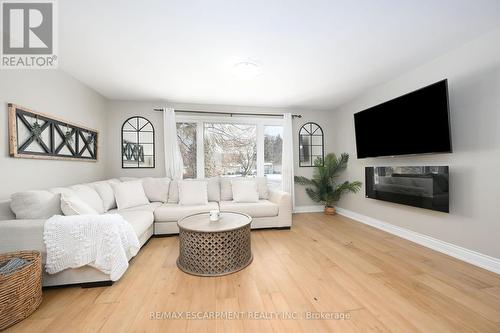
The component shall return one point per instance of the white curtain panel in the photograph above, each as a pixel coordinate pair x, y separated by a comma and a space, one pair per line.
287, 162
174, 165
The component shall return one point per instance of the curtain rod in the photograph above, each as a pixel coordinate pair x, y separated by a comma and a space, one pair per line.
234, 113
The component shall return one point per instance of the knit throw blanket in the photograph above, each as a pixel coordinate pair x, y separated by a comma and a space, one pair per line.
105, 242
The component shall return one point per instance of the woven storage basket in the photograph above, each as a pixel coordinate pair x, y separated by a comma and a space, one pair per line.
21, 291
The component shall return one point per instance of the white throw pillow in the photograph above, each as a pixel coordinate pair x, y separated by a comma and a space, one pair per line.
245, 191
129, 194
192, 192
89, 196
213, 189
35, 204
71, 204
226, 192
106, 193
156, 189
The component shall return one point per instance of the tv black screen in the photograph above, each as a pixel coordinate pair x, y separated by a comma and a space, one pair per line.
415, 123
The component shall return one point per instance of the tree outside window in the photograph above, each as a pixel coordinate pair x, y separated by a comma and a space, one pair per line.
230, 149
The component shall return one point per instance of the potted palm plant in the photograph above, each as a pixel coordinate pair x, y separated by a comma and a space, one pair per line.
323, 187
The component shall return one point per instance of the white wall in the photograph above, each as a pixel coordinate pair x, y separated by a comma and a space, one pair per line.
119, 111
58, 94
473, 73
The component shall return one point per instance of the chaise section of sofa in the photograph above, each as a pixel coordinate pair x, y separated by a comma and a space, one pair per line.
275, 212
27, 234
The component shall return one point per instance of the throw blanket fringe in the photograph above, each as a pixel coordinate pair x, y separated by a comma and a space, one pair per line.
106, 242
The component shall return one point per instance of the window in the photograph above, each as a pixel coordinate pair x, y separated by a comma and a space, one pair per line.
138, 143
230, 149
186, 134
311, 145
273, 148
222, 146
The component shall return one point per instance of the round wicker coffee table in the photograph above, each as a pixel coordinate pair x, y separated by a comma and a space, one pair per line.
214, 248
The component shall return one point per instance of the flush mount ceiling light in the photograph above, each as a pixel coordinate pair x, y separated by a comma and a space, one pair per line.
246, 70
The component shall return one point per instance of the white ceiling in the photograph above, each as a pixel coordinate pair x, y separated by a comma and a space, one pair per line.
314, 54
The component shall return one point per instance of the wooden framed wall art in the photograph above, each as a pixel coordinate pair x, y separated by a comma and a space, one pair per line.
37, 135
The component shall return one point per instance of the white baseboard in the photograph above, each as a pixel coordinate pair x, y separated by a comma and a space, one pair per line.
309, 209
475, 258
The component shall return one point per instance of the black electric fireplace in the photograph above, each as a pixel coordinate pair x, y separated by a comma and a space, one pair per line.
418, 186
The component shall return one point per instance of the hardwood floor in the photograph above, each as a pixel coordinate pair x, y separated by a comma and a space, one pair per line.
323, 265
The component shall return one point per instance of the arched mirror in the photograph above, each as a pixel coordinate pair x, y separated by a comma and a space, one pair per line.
311, 145
138, 143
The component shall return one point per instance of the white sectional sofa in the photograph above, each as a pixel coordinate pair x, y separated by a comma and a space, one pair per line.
273, 210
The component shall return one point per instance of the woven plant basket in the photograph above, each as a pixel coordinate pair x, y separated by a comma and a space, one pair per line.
21, 291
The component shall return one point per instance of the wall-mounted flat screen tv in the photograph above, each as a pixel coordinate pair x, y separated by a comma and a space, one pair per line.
415, 123
418, 186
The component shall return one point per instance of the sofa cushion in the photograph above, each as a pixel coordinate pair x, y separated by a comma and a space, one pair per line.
245, 190
213, 189
171, 212
35, 204
150, 207
128, 179
16, 235
89, 196
140, 220
226, 192
262, 187
60, 190
5, 212
106, 193
129, 194
71, 204
156, 189
173, 192
192, 193
263, 208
